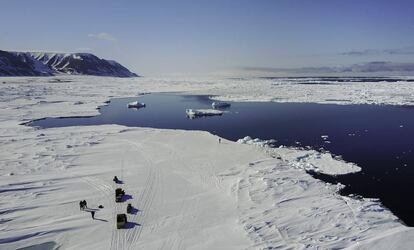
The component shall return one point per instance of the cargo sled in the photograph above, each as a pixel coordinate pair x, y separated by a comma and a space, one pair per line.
121, 221
119, 194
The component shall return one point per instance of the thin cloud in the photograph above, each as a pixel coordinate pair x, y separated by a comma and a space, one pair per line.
366, 52
102, 36
34, 50
370, 67
376, 52
84, 49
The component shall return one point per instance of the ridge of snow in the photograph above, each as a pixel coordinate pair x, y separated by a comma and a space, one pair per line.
309, 160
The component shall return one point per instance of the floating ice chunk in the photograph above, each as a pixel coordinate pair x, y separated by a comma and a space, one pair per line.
220, 105
256, 141
136, 104
244, 140
324, 137
339, 186
192, 113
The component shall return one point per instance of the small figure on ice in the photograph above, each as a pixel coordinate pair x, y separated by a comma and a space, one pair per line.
117, 180
129, 208
219, 140
93, 214
82, 205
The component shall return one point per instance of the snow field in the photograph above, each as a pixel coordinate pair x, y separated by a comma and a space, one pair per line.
190, 191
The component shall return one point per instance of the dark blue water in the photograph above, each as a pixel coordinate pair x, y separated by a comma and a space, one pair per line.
377, 138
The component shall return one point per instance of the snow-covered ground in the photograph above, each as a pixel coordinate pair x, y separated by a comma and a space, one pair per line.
287, 90
191, 192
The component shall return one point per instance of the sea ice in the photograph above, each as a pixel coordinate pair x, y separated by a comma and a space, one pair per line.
202, 112
191, 191
136, 104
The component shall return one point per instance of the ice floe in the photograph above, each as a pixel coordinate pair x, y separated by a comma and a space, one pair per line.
202, 112
136, 105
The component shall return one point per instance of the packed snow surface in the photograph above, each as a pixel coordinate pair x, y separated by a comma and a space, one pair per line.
190, 191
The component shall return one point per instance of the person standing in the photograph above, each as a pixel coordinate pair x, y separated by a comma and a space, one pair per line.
93, 214
84, 204
80, 205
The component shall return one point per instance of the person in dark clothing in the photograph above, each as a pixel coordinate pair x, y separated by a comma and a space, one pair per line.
80, 205
85, 204
219, 140
93, 215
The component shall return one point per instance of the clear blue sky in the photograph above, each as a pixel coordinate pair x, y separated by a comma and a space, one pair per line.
162, 37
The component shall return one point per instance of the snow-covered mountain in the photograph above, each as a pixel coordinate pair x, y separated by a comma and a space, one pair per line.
22, 64
48, 64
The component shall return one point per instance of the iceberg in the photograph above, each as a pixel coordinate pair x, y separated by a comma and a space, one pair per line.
219, 105
192, 113
136, 104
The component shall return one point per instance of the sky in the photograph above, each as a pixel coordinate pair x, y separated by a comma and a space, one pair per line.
191, 37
